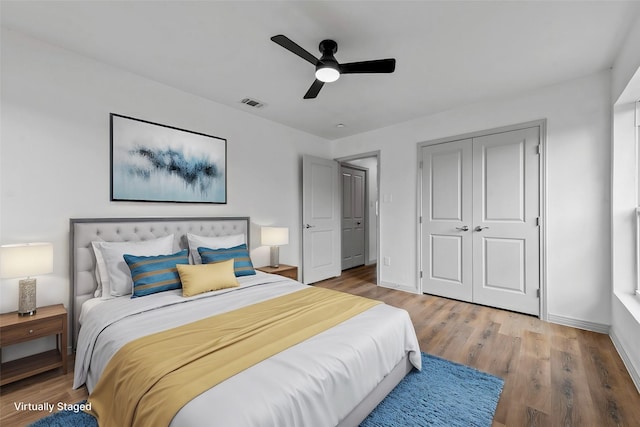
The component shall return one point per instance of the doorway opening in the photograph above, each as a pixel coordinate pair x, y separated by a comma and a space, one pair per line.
360, 213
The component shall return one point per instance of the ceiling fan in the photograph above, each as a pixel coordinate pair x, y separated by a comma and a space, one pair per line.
327, 68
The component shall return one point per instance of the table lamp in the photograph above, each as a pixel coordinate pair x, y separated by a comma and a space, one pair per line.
27, 259
275, 237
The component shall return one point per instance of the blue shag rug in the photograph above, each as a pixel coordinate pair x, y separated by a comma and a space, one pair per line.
67, 418
443, 394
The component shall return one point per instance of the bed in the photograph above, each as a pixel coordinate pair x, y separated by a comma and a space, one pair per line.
336, 377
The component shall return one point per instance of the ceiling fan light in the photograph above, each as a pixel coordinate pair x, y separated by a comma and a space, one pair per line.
327, 74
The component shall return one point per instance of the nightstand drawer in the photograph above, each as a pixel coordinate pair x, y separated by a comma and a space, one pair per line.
31, 330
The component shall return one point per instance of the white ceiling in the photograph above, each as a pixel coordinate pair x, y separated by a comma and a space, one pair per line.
448, 53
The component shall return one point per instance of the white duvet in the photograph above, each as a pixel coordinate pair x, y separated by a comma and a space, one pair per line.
315, 383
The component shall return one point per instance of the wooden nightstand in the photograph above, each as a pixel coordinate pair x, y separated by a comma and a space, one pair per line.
290, 271
15, 329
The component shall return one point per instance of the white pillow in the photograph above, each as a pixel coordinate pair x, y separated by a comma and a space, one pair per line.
112, 268
213, 242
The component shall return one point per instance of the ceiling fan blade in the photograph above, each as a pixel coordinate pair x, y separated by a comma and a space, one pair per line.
291, 46
375, 66
314, 89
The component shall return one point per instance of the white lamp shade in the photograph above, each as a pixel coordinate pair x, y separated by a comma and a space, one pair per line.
275, 236
24, 260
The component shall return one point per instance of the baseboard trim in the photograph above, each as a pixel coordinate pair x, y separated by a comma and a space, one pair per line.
577, 323
633, 373
397, 287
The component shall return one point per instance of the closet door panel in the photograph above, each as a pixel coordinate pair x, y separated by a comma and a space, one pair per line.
446, 216
505, 230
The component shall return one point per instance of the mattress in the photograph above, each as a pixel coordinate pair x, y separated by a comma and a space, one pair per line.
315, 383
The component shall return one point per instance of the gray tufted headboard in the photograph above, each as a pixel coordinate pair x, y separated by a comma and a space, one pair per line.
87, 230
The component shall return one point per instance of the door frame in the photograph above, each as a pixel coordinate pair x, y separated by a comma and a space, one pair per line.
376, 155
542, 125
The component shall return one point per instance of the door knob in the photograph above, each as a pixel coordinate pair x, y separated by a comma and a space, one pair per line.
463, 228
308, 226
478, 228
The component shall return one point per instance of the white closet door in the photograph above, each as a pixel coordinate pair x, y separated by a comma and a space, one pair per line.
480, 208
506, 270
447, 216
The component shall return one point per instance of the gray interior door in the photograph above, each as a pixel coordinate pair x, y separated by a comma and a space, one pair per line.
353, 216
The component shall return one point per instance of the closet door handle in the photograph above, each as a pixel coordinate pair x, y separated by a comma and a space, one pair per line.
308, 226
478, 228
463, 228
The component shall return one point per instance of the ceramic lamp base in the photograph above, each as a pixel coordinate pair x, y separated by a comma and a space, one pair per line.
275, 256
27, 297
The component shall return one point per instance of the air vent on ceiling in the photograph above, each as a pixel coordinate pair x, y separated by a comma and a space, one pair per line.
252, 103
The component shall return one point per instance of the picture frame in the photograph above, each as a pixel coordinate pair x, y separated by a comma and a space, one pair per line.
152, 162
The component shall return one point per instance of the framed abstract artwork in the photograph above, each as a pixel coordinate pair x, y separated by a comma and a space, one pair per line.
151, 162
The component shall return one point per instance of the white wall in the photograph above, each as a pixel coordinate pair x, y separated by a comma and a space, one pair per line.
578, 138
626, 66
55, 155
625, 320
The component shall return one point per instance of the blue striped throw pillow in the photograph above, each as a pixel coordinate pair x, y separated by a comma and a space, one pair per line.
242, 265
152, 274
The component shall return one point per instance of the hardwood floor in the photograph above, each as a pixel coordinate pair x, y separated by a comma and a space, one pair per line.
51, 387
554, 375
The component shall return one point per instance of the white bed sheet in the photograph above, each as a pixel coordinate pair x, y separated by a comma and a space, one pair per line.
87, 306
301, 386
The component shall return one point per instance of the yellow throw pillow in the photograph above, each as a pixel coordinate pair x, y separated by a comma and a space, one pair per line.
197, 279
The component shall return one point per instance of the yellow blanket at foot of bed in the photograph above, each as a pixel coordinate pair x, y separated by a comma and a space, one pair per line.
150, 379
